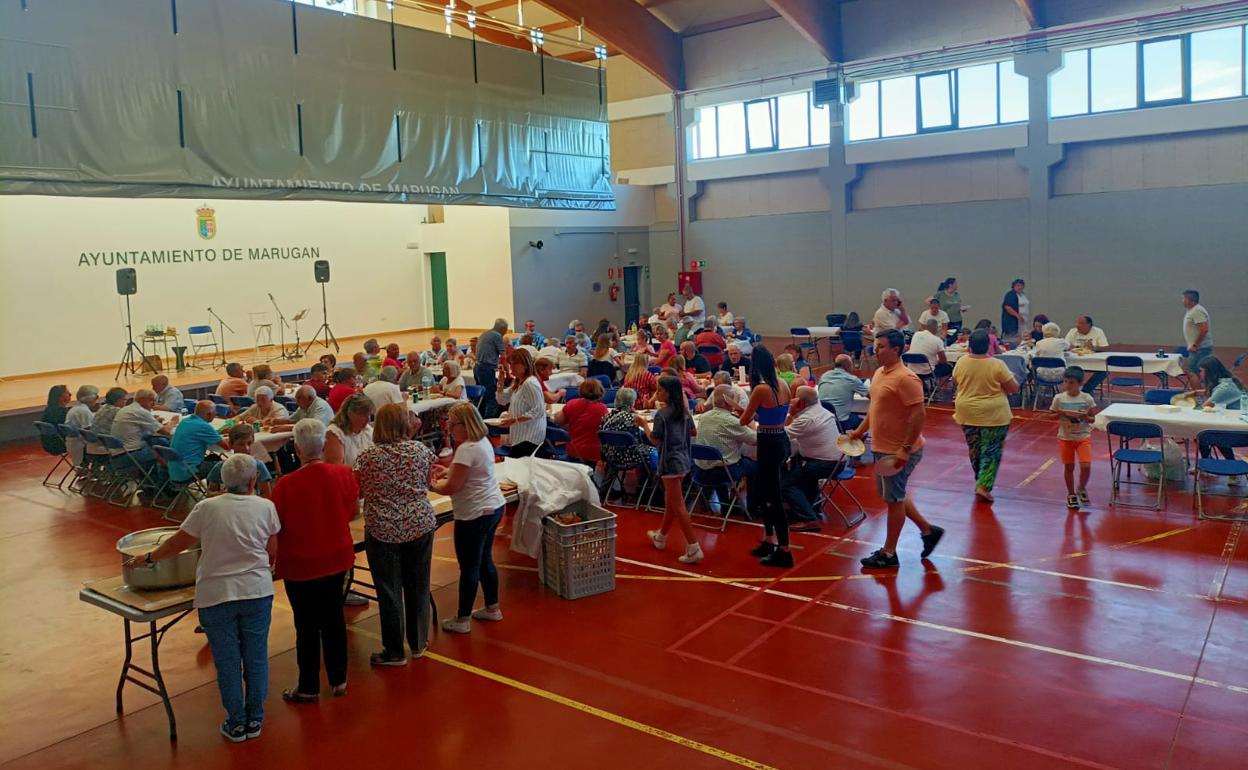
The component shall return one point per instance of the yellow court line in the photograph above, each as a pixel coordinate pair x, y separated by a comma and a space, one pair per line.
1044, 467
584, 708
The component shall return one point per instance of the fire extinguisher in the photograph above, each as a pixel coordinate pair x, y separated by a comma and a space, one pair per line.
613, 291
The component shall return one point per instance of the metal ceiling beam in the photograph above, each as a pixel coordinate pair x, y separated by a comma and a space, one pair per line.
634, 31
819, 21
491, 35
1032, 12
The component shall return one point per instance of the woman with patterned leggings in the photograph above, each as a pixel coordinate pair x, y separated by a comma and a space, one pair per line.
982, 408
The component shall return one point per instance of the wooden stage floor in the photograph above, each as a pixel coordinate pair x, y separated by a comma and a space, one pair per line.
22, 392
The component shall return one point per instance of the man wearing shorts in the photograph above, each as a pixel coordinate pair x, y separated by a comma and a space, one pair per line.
1197, 334
1074, 410
895, 420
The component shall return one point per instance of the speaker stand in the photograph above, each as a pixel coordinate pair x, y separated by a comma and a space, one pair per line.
133, 354
329, 334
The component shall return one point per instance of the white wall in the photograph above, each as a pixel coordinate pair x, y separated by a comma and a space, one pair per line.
378, 283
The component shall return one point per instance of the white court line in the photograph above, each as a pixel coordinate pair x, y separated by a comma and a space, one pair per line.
954, 630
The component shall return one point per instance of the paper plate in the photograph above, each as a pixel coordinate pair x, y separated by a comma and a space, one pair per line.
1184, 401
888, 466
851, 447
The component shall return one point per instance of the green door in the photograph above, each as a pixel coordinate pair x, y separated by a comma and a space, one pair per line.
437, 287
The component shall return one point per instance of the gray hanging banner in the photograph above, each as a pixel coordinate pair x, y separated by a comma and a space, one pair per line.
279, 100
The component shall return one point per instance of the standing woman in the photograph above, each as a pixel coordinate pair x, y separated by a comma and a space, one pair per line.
478, 507
233, 589
399, 523
672, 432
1015, 310
982, 408
769, 402
350, 432
519, 390
950, 300
315, 505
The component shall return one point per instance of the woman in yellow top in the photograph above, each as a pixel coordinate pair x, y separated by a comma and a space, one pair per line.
982, 408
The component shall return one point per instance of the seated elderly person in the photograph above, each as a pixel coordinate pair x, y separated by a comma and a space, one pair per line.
384, 390
738, 398
543, 368
192, 439
710, 337
310, 406
685, 331
735, 359
582, 417
265, 408
452, 384
530, 329
721, 428
80, 416
344, 388
235, 382
415, 372
930, 343
1088, 335
364, 368
114, 400
135, 424
621, 418
694, 361
812, 432
435, 355
262, 376
838, 386
742, 334
392, 356
319, 380
572, 358
168, 398
241, 439
1052, 345
528, 342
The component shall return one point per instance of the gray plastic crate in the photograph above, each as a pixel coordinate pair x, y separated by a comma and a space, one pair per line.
578, 560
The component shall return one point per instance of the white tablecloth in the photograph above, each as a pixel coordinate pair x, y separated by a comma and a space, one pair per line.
561, 380
1096, 362
1016, 361
1185, 423
425, 404
823, 331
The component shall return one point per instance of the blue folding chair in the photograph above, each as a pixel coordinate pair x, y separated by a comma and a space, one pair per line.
48, 430
654, 369
242, 402
474, 393
1045, 380
828, 488
1161, 395
571, 393
1125, 456
1219, 466
557, 440
718, 477
495, 431
710, 350
96, 459
288, 402
69, 433
188, 405
198, 343
1131, 364
223, 411
173, 458
615, 472
125, 469
805, 342
608, 396
603, 380
214, 398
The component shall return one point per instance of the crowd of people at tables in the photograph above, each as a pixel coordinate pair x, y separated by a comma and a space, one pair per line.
354, 439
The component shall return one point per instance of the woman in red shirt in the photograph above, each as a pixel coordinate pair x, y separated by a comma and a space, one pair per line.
344, 388
582, 417
315, 505
667, 350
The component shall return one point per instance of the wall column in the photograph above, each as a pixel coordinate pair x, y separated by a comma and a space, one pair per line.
1038, 158
839, 178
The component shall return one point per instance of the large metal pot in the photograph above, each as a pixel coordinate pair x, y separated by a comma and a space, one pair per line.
173, 572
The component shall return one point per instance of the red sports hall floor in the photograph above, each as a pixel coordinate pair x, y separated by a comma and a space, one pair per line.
1033, 638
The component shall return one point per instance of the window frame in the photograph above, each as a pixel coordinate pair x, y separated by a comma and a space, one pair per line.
773, 103
773, 109
1185, 71
951, 76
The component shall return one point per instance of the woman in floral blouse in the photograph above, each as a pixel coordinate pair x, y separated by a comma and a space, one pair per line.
398, 528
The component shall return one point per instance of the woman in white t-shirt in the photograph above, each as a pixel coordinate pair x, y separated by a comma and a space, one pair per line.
1052, 346
452, 383
478, 506
233, 589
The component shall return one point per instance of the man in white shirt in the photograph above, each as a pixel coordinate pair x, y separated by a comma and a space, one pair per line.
927, 343
571, 358
738, 399
670, 310
1197, 332
135, 422
933, 312
311, 406
1087, 335
385, 389
168, 398
891, 313
812, 432
435, 355
694, 307
721, 429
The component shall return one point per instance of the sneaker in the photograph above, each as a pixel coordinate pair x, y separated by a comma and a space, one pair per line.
485, 613
253, 730
355, 600
763, 549
457, 625
418, 654
930, 541
881, 560
1072, 501
1083, 497
384, 658
692, 555
777, 558
658, 539
235, 734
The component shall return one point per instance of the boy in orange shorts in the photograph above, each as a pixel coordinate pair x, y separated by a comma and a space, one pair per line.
1074, 410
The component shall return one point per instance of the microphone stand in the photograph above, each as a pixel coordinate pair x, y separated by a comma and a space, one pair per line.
281, 332
222, 325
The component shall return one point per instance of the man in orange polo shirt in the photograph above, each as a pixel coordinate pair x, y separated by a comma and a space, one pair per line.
895, 420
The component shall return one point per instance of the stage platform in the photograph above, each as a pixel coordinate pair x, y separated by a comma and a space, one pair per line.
26, 394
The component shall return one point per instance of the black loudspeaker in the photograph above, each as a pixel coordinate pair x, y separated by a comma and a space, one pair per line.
320, 268
127, 281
